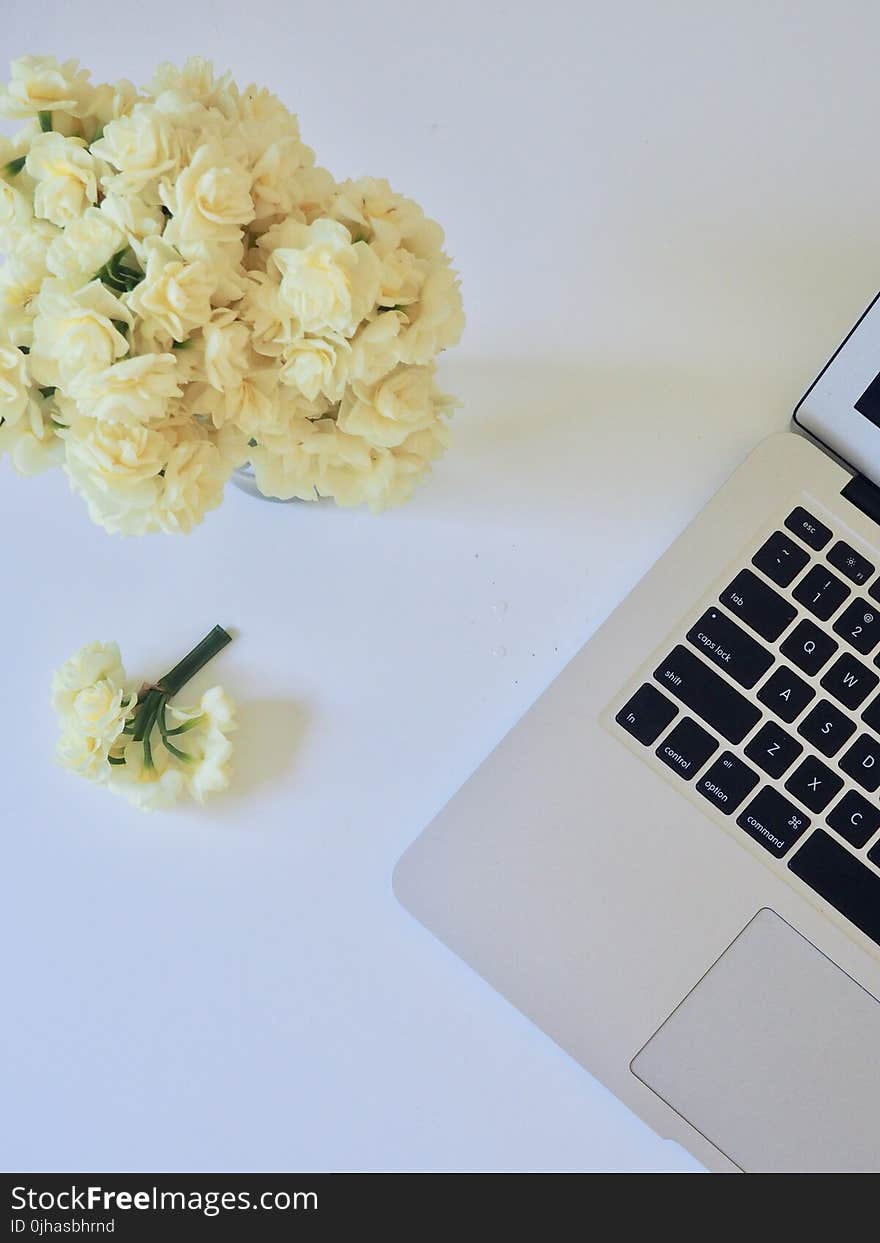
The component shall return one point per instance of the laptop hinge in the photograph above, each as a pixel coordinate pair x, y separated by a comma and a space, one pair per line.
864, 495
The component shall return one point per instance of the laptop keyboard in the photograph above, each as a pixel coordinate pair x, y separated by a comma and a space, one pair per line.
770, 707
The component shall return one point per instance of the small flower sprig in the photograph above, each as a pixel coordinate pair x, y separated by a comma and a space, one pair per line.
134, 740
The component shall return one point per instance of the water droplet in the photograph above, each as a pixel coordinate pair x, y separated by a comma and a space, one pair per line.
499, 652
499, 608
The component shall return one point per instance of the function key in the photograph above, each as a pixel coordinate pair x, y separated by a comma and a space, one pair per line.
786, 693
647, 714
826, 727
821, 592
808, 528
849, 681
686, 748
727, 782
862, 762
813, 784
773, 749
773, 821
859, 624
780, 559
808, 647
758, 605
858, 569
854, 818
725, 644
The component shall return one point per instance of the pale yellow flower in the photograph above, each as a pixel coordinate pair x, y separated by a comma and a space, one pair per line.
205, 741
317, 366
387, 412
134, 390
329, 283
139, 148
41, 84
209, 200
66, 177
84, 247
175, 296
76, 332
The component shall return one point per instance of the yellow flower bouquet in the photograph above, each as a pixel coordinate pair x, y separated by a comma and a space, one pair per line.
186, 293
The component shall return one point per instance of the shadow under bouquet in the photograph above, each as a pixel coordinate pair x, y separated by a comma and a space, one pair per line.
185, 291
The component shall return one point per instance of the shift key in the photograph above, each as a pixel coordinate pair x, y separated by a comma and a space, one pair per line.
760, 607
719, 704
727, 645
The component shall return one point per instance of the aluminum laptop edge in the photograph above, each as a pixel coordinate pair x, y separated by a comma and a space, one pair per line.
645, 866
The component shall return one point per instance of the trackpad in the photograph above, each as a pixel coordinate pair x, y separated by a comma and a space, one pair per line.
774, 1057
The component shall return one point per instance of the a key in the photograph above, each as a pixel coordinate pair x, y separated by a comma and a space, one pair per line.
871, 715
647, 714
841, 879
813, 784
727, 645
758, 606
821, 592
859, 624
826, 727
686, 748
727, 782
854, 818
773, 821
708, 696
773, 749
808, 647
780, 559
862, 762
858, 569
786, 693
849, 681
808, 528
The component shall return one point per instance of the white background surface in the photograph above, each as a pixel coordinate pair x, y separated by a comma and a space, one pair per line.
665, 217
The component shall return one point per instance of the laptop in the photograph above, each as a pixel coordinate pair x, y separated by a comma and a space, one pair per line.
672, 863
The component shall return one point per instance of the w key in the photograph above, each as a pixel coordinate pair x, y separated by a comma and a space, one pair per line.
849, 681
729, 647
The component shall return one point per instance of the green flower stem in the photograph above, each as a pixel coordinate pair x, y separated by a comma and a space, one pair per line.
187, 668
45, 121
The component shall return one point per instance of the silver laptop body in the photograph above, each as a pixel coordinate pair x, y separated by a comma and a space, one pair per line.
672, 863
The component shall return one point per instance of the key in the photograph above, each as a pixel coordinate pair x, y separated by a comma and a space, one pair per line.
821, 592
686, 748
813, 784
808, 528
851, 563
727, 645
859, 624
773, 749
849, 681
707, 695
647, 714
862, 762
854, 818
786, 693
871, 715
808, 647
773, 821
727, 782
841, 879
758, 605
780, 559
826, 727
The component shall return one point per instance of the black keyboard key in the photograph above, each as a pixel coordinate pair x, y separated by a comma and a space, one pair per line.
854, 818
808, 647
821, 592
647, 714
758, 606
773, 749
786, 693
727, 782
862, 762
871, 715
874, 855
826, 727
841, 879
813, 784
859, 624
858, 569
808, 528
701, 689
686, 748
773, 821
727, 645
849, 681
780, 559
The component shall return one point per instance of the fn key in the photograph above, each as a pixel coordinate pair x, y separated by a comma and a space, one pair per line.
646, 715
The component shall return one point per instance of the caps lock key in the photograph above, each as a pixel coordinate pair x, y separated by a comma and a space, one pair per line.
727, 645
